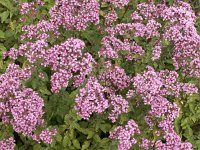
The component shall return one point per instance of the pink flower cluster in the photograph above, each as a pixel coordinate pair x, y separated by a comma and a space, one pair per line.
26, 7
75, 15
39, 31
111, 46
72, 15
26, 108
29, 8
118, 3
125, 135
115, 78
45, 136
96, 98
179, 29
149, 10
7, 144
157, 51
111, 17
182, 32
33, 51
11, 80
66, 59
92, 98
19, 106
146, 144
119, 105
154, 87
137, 29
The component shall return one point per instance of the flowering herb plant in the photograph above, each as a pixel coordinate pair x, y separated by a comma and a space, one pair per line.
99, 74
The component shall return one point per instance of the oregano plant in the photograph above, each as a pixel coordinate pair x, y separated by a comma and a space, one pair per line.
99, 75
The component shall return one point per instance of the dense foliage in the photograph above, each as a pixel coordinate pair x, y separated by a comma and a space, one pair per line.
99, 74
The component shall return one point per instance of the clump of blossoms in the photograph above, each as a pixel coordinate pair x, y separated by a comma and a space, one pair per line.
111, 46
11, 80
26, 109
19, 106
92, 99
75, 15
146, 144
7, 144
30, 7
179, 29
115, 77
182, 32
157, 51
46, 136
154, 87
111, 17
66, 59
125, 135
119, 105
26, 7
137, 29
118, 3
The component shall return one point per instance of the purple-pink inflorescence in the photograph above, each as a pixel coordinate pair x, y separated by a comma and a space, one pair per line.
21, 107
154, 87
91, 99
7, 144
125, 135
73, 14
118, 3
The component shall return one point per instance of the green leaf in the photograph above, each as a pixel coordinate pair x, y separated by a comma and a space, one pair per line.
76, 144
58, 106
37, 147
82, 130
192, 107
85, 145
105, 127
7, 4
113, 145
104, 141
2, 34
58, 138
53, 143
184, 122
71, 134
2, 47
194, 118
4, 16
9, 34
90, 134
92, 36
97, 138
44, 90
66, 141
177, 124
